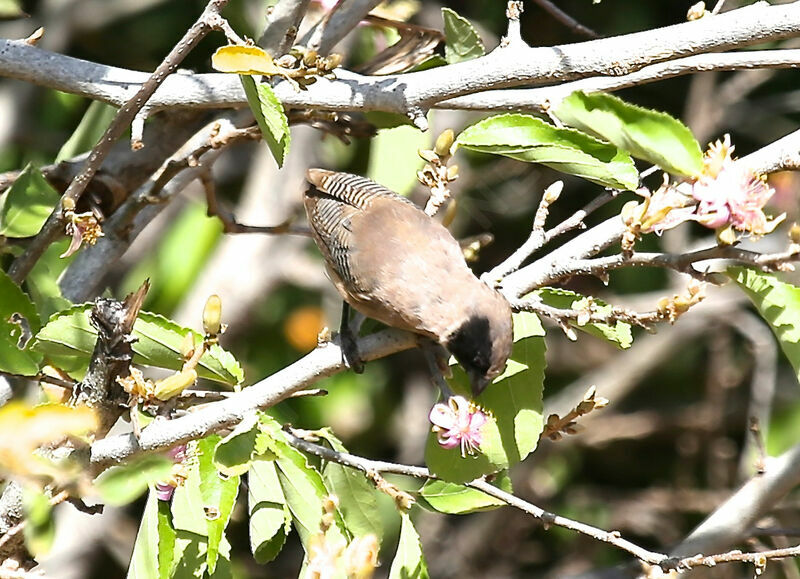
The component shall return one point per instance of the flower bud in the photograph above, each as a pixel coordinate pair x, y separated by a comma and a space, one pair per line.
173, 385
310, 57
212, 315
427, 155
444, 142
452, 172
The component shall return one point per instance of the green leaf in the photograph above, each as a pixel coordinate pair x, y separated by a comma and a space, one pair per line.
93, 125
619, 333
270, 116
650, 135
42, 281
778, 303
10, 9
27, 204
527, 138
120, 485
455, 499
433, 61
514, 402
68, 339
357, 495
234, 452
270, 519
145, 558
166, 538
408, 562
462, 42
302, 486
17, 317
40, 529
219, 495
393, 159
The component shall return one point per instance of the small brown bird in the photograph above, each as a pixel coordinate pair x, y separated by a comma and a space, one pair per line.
392, 262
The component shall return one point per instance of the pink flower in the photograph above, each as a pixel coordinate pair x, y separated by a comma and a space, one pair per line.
729, 193
458, 423
164, 491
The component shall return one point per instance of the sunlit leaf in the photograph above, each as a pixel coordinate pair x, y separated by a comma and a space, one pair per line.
393, 159
778, 303
462, 40
119, 485
70, 335
234, 452
514, 404
302, 486
10, 9
219, 495
650, 135
18, 322
408, 563
357, 495
455, 499
240, 59
24, 428
152, 551
527, 138
620, 333
270, 519
270, 116
27, 204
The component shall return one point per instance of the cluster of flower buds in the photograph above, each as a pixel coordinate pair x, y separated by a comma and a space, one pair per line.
82, 227
303, 65
436, 175
329, 555
556, 427
674, 307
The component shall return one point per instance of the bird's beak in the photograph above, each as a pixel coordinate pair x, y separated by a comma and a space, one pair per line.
479, 383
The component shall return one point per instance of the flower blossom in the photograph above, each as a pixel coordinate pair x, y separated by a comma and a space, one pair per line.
458, 422
165, 489
728, 193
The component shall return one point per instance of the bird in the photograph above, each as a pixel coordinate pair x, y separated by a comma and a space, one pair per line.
392, 262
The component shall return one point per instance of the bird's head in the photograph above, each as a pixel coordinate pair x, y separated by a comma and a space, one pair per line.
482, 344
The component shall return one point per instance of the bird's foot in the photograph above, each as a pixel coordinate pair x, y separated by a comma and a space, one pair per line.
350, 354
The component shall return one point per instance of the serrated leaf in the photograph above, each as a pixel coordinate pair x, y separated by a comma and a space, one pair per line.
455, 499
27, 204
527, 138
69, 335
409, 562
302, 486
514, 404
270, 116
153, 549
778, 303
462, 41
357, 495
40, 529
17, 317
270, 519
650, 135
219, 495
234, 452
120, 485
620, 333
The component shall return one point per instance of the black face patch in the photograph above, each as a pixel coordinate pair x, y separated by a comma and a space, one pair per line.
472, 345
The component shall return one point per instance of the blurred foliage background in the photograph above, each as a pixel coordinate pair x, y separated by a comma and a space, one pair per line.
665, 452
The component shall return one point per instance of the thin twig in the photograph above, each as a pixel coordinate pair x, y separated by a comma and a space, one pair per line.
54, 224
566, 19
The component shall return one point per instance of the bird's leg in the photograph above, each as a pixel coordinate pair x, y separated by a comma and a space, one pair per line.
347, 335
436, 357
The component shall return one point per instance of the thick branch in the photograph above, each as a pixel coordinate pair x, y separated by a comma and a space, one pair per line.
325, 361
647, 52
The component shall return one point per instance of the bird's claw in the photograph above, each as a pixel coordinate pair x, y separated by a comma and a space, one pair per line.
350, 354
